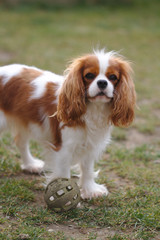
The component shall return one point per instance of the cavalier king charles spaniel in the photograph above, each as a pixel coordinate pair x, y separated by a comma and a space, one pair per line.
71, 115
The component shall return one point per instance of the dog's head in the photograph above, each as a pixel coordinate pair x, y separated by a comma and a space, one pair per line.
99, 78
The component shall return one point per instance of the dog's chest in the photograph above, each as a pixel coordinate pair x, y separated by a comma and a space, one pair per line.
95, 132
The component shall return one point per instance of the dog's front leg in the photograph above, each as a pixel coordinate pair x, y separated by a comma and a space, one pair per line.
58, 164
89, 188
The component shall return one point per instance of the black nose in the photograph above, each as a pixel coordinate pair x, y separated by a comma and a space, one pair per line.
102, 84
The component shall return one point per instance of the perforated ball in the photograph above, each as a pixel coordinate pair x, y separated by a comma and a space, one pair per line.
62, 194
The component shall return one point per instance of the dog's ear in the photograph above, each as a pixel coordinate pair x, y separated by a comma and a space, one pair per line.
71, 102
123, 104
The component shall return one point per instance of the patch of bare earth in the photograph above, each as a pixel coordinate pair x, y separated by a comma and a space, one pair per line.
134, 138
78, 233
120, 183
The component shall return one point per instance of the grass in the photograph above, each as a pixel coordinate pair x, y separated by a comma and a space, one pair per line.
130, 168
132, 209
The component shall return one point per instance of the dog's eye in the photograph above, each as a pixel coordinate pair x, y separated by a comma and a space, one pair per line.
90, 76
112, 77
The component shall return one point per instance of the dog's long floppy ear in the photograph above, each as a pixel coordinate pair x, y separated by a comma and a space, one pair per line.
71, 102
123, 104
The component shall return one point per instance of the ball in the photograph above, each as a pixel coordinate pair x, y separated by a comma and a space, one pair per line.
62, 194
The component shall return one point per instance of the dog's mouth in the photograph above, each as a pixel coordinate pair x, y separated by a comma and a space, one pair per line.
100, 97
101, 94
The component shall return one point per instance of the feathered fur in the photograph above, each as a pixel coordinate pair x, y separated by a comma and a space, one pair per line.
70, 115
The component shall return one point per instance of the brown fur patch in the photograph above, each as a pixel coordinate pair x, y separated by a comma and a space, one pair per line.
113, 70
90, 66
123, 103
15, 102
72, 98
15, 93
50, 107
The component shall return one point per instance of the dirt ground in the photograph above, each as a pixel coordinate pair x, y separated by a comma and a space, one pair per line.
135, 138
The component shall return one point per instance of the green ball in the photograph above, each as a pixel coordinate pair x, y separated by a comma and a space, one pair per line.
62, 194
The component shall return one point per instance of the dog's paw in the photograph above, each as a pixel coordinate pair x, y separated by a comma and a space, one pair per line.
36, 166
93, 190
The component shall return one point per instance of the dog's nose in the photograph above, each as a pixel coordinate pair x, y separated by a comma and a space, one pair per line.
102, 84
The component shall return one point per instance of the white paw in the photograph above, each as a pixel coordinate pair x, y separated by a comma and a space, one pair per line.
93, 190
36, 166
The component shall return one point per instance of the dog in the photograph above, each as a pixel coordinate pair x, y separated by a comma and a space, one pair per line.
70, 115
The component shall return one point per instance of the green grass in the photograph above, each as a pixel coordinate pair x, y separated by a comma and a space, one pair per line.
48, 39
133, 208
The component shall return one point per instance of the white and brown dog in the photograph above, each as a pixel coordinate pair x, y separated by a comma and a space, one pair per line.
71, 115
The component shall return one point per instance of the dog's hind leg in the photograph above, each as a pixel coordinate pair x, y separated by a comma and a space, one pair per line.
30, 164
3, 122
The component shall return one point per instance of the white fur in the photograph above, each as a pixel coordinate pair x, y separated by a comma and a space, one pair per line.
93, 90
40, 83
103, 58
81, 146
9, 71
39, 87
30, 163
